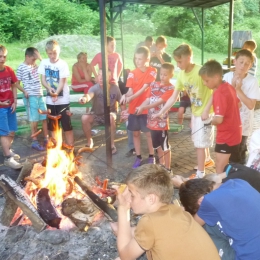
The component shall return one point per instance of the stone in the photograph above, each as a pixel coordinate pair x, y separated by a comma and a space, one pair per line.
61, 256
14, 234
54, 237
16, 256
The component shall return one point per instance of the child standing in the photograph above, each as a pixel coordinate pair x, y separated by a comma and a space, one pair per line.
138, 82
114, 60
226, 118
159, 56
189, 80
27, 73
164, 228
54, 73
158, 94
248, 92
251, 46
8, 102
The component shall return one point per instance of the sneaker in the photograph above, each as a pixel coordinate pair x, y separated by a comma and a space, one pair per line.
197, 175
130, 153
151, 160
208, 164
15, 155
12, 163
137, 163
37, 146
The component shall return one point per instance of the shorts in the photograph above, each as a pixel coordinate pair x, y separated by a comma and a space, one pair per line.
82, 87
137, 123
100, 119
64, 120
160, 138
202, 136
8, 121
35, 103
227, 149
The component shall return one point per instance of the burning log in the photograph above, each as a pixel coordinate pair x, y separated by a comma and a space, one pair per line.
82, 213
46, 209
10, 207
106, 208
21, 199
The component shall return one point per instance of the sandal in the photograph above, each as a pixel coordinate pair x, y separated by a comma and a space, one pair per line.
37, 146
114, 151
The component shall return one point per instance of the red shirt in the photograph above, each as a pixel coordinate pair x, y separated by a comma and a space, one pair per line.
136, 79
7, 78
155, 92
225, 104
114, 62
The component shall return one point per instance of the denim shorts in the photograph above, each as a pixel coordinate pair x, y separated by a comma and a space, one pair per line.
35, 103
137, 123
8, 121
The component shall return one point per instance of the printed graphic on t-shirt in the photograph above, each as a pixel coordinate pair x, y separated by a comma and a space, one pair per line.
256, 163
53, 78
193, 94
5, 84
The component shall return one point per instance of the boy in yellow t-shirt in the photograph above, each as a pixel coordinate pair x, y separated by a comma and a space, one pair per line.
189, 80
164, 228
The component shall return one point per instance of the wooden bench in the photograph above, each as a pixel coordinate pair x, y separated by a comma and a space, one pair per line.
74, 97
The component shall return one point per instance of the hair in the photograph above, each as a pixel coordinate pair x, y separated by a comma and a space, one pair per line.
211, 68
81, 54
245, 53
110, 39
52, 45
168, 66
161, 39
183, 50
251, 44
143, 50
30, 51
149, 39
152, 179
3, 49
191, 191
213, 177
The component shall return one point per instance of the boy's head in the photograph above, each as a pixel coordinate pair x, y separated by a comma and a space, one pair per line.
111, 44
31, 55
148, 41
192, 192
149, 185
161, 43
3, 54
211, 73
166, 72
250, 45
82, 57
53, 50
100, 77
183, 56
142, 57
243, 61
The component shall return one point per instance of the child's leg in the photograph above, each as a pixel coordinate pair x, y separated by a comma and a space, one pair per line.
161, 154
201, 159
34, 129
113, 128
6, 142
45, 129
136, 139
149, 142
221, 161
180, 115
66, 124
69, 137
167, 158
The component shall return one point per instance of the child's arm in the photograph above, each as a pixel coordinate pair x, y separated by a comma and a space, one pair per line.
170, 102
127, 246
128, 94
21, 89
119, 66
14, 90
146, 105
46, 84
217, 120
205, 113
138, 93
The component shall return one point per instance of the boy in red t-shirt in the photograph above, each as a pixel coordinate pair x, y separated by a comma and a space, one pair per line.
227, 117
114, 60
138, 82
158, 94
8, 102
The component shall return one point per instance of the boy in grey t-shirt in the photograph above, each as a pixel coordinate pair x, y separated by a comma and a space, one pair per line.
97, 115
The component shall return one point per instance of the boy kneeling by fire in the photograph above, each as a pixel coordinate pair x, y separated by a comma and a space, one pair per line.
164, 228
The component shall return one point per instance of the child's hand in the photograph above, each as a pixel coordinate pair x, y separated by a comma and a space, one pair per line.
26, 94
139, 110
238, 84
123, 100
13, 107
124, 115
5, 103
204, 115
82, 100
123, 196
156, 115
129, 99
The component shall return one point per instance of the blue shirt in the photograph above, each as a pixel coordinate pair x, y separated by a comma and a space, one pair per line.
235, 208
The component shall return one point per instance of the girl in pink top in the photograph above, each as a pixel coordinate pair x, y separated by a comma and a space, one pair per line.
115, 64
81, 74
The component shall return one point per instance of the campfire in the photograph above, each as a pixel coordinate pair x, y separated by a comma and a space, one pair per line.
51, 194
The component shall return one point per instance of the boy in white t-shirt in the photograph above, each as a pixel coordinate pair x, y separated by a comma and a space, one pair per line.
54, 73
27, 74
254, 151
248, 92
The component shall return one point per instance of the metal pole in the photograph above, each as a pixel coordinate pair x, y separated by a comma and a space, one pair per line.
102, 15
112, 18
122, 42
230, 41
202, 36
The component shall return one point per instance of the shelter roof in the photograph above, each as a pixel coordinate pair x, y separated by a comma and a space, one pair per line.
180, 3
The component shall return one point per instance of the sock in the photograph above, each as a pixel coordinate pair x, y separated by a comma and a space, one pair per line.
7, 157
139, 156
200, 174
151, 155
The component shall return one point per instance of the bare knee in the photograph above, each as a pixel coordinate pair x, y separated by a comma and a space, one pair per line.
87, 119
